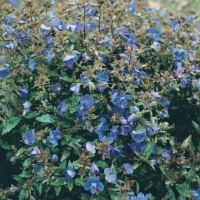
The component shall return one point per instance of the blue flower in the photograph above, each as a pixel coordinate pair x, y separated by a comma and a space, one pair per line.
13, 189
4, 71
175, 25
185, 81
93, 184
94, 169
167, 154
23, 93
15, 3
180, 53
129, 38
102, 79
20, 37
56, 87
131, 9
26, 107
85, 57
10, 30
90, 12
196, 194
109, 176
69, 173
62, 107
89, 147
190, 19
166, 103
35, 151
29, 137
102, 57
156, 95
70, 59
55, 135
140, 196
31, 64
49, 55
114, 132
58, 24
82, 109
45, 29
87, 100
102, 126
154, 150
154, 33
139, 136
198, 84
75, 87
155, 21
137, 146
90, 26
120, 100
54, 158
128, 168
39, 168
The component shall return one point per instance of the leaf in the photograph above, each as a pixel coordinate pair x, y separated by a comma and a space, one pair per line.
148, 149
65, 155
151, 197
149, 185
137, 187
31, 115
57, 190
4, 145
187, 141
184, 189
62, 165
22, 194
79, 182
40, 189
60, 181
47, 118
10, 124
196, 126
70, 184
171, 195
102, 164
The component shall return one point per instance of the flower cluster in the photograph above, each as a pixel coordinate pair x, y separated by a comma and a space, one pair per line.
99, 98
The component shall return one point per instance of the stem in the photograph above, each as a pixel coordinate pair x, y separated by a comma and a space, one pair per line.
100, 19
84, 22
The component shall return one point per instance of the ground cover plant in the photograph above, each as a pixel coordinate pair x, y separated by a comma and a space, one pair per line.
99, 100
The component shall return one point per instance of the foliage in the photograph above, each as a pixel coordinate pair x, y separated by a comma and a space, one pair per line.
99, 100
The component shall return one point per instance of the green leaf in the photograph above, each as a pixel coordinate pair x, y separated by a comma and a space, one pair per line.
22, 194
184, 189
102, 164
137, 187
40, 189
62, 165
65, 155
187, 141
196, 126
171, 195
70, 184
57, 190
31, 115
148, 149
79, 182
10, 124
4, 145
47, 118
60, 181
151, 197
